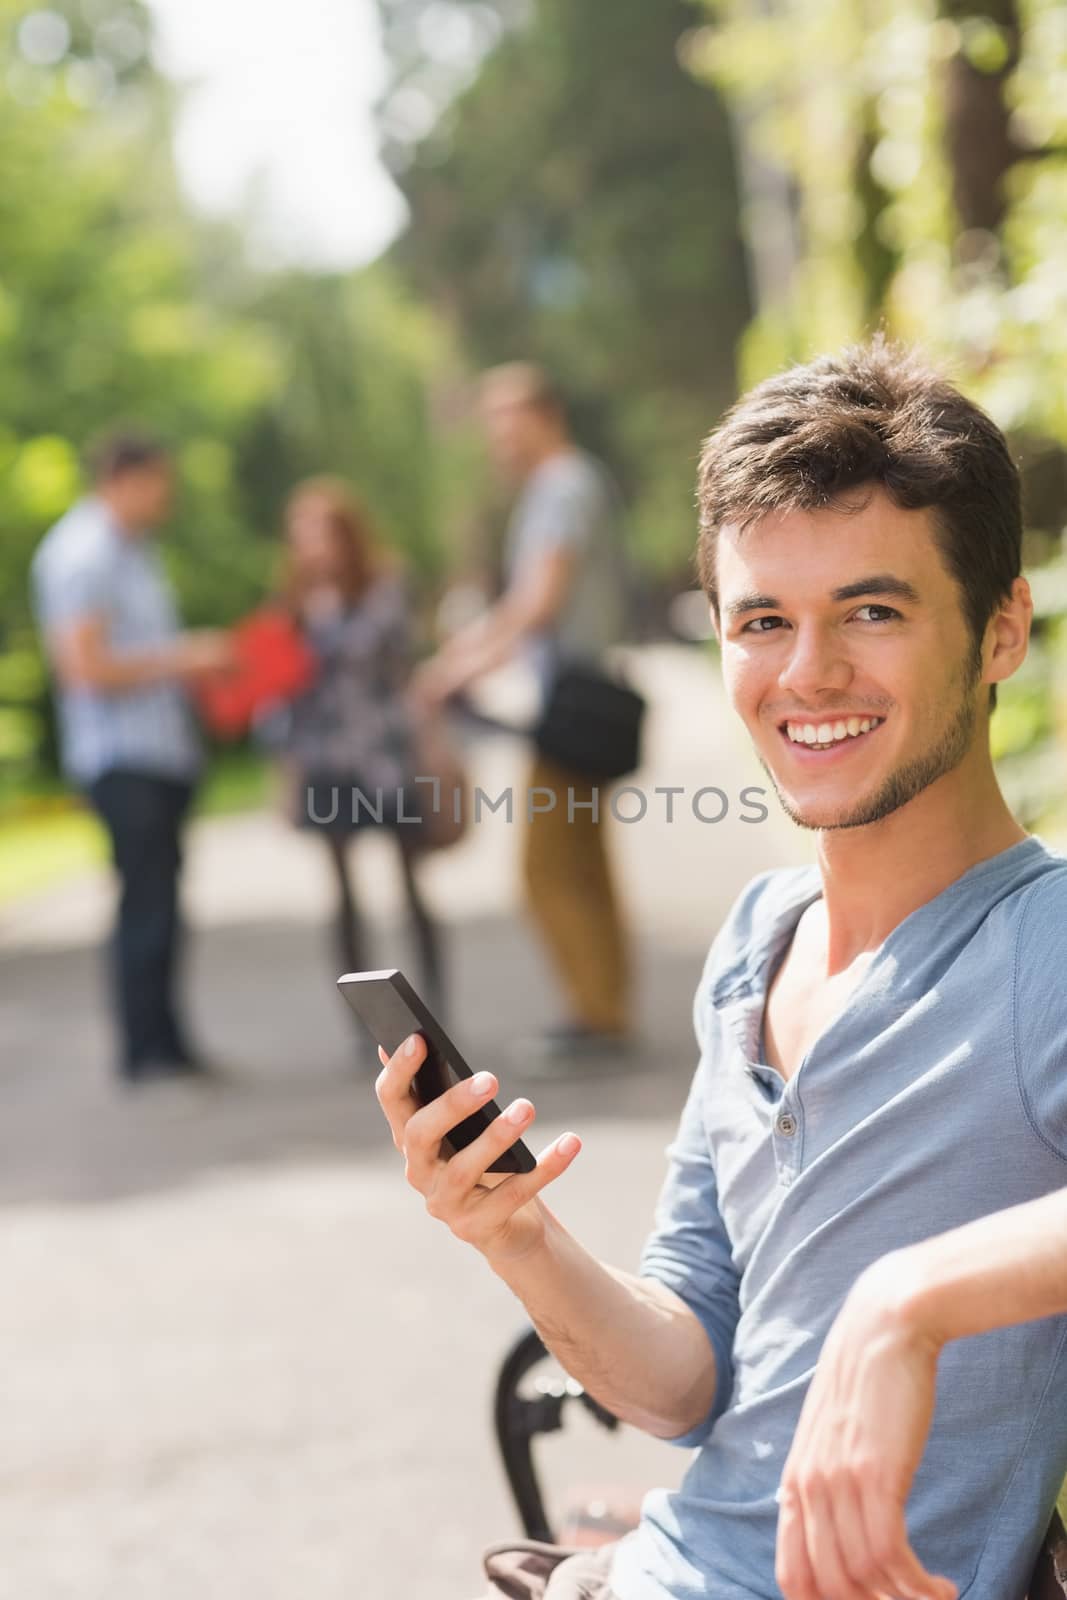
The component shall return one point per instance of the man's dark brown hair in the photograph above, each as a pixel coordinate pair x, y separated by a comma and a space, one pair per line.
124, 450
523, 383
873, 416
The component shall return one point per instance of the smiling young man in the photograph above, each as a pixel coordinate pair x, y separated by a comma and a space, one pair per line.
854, 1301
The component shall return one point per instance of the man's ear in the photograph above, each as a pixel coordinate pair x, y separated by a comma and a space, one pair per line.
1007, 634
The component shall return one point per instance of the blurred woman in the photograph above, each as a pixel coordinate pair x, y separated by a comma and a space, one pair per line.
350, 745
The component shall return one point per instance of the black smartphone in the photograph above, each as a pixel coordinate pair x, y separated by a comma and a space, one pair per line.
388, 1006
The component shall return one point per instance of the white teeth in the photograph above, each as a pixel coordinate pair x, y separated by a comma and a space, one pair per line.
829, 732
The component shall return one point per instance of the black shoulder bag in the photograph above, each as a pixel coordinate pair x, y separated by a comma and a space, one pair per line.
591, 722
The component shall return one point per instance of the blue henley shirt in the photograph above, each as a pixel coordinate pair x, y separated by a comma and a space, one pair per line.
938, 1095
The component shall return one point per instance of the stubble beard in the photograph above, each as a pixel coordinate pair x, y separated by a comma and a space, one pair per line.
944, 755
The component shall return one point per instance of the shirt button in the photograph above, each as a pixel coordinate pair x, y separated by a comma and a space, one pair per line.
786, 1124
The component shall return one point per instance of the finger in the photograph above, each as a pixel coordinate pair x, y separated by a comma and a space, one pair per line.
402, 1065
425, 1130
393, 1085
395, 1081
521, 1187
887, 1534
469, 1166
792, 1565
832, 1578
861, 1557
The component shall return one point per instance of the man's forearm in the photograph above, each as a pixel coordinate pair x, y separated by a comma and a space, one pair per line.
632, 1343
1002, 1269
479, 649
84, 658
122, 674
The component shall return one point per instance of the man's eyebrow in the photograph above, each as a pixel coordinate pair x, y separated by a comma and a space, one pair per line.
879, 583
752, 602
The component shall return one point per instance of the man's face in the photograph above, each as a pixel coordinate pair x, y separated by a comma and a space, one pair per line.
845, 628
143, 496
513, 433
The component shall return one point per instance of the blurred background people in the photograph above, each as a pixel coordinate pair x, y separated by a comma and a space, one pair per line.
565, 600
127, 734
350, 740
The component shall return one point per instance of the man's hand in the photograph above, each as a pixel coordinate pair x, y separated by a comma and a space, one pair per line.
203, 653
500, 1215
430, 685
861, 1435
84, 658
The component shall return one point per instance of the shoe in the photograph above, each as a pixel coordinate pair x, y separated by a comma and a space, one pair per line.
169, 1069
559, 1052
202, 1067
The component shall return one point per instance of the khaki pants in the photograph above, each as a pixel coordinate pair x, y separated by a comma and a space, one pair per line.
525, 1570
573, 901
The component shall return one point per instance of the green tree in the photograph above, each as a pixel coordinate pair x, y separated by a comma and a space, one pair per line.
118, 304
915, 157
575, 204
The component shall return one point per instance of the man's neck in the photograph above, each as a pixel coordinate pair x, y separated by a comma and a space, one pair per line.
875, 876
120, 524
549, 451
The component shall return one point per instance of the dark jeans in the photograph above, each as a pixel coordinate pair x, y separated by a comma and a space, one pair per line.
143, 814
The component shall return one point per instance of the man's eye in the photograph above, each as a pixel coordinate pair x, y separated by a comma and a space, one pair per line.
756, 625
887, 614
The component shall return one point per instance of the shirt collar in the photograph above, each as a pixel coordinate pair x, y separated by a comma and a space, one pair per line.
749, 968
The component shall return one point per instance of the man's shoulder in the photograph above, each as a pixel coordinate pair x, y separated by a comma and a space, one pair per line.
81, 539
1018, 900
572, 472
1039, 903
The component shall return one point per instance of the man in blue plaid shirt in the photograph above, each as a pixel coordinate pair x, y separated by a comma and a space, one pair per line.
127, 734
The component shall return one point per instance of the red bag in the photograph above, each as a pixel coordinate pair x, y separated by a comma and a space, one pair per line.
274, 663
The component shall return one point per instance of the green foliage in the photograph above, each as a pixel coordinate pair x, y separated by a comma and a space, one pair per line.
576, 205
118, 305
361, 360
892, 129
99, 316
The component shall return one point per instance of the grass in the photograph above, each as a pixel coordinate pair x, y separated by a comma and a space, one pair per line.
46, 838
38, 851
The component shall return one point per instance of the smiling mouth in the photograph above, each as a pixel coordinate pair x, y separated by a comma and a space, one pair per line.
828, 735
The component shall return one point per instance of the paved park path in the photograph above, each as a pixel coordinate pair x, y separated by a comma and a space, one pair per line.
238, 1361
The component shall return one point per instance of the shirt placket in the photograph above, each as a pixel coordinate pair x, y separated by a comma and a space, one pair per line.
784, 1109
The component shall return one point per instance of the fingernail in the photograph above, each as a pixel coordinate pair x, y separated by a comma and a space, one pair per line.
481, 1083
568, 1144
383, 1057
518, 1112
410, 1043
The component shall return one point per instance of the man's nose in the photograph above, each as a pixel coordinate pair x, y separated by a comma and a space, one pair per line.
817, 660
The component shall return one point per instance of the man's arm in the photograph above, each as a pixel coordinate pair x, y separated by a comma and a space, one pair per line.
527, 606
865, 1421
1002, 1269
631, 1341
83, 658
